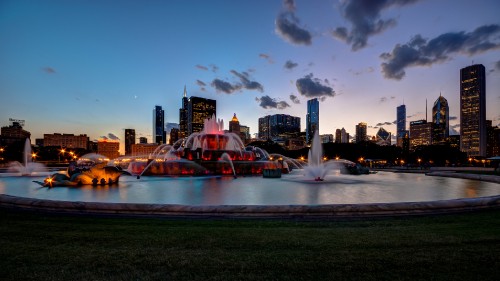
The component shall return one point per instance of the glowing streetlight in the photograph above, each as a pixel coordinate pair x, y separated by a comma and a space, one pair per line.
325, 158
337, 158
33, 156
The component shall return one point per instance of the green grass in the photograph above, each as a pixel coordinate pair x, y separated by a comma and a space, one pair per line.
56, 247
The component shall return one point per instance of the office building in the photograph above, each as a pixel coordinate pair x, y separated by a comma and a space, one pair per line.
473, 110
199, 109
129, 140
400, 124
420, 133
143, 140
110, 149
245, 132
383, 137
312, 119
159, 135
493, 140
441, 121
326, 138
143, 149
234, 125
66, 140
278, 125
361, 130
14, 132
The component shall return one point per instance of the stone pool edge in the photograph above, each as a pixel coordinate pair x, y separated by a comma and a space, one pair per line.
253, 211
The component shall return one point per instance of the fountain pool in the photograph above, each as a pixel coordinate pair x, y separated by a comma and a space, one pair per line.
291, 189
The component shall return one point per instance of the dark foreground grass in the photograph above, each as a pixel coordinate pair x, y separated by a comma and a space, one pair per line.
54, 247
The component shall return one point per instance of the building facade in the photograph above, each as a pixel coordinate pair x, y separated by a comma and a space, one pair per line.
441, 121
200, 109
278, 125
473, 110
383, 137
110, 149
159, 135
143, 149
361, 132
493, 140
13, 133
312, 119
400, 124
420, 133
66, 140
129, 140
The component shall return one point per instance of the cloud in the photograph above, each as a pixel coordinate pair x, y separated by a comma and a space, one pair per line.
270, 103
313, 88
200, 83
287, 27
290, 64
359, 72
294, 99
110, 136
266, 57
365, 20
453, 118
225, 87
246, 83
289, 5
455, 129
422, 52
48, 70
385, 123
214, 68
201, 67
384, 99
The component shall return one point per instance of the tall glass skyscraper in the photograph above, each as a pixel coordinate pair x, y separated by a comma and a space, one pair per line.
183, 116
400, 124
441, 120
129, 140
473, 110
312, 119
361, 132
159, 136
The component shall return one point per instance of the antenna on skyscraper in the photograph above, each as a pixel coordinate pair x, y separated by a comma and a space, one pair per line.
185, 93
425, 110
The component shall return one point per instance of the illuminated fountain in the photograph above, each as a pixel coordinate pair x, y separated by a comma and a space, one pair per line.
209, 152
28, 167
317, 169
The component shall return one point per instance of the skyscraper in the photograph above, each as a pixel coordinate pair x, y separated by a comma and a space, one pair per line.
129, 140
312, 119
272, 126
420, 133
361, 132
199, 109
234, 125
441, 120
400, 124
383, 137
183, 116
159, 136
473, 110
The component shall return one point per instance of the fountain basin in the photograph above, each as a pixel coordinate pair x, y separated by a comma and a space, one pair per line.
382, 194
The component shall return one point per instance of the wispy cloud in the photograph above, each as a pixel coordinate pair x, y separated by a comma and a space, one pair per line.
48, 70
294, 99
246, 83
290, 64
267, 57
269, 103
225, 87
422, 52
364, 17
202, 67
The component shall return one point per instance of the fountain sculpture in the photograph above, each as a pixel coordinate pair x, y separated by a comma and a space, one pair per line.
211, 151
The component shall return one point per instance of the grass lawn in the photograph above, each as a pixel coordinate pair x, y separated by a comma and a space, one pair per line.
56, 247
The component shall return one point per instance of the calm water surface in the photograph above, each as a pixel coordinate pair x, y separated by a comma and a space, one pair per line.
292, 189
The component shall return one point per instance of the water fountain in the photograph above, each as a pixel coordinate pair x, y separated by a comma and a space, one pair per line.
317, 168
28, 167
209, 152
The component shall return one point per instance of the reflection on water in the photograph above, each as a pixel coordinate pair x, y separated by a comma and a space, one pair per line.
292, 189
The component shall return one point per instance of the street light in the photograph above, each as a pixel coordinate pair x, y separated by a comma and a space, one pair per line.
33, 156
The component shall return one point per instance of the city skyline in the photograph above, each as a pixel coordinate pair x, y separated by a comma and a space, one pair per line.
98, 68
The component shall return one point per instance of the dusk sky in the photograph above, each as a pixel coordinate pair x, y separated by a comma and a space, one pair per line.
99, 67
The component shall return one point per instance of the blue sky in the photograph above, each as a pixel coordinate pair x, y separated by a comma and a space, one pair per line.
98, 67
